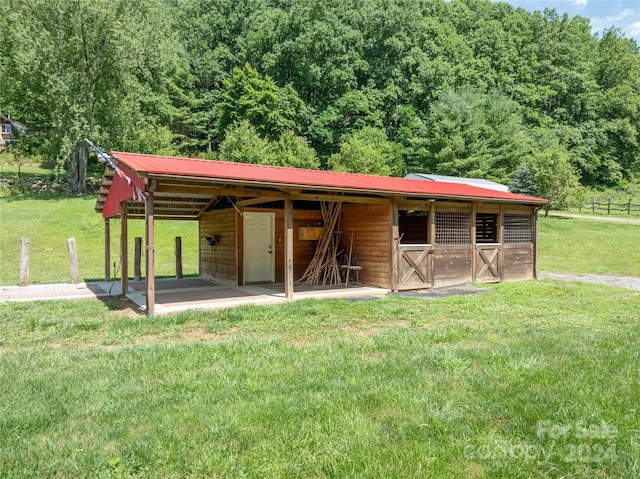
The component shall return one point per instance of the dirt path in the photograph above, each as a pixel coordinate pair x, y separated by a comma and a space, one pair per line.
606, 219
628, 282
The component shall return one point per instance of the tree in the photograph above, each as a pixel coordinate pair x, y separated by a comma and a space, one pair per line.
367, 151
243, 143
553, 174
254, 98
476, 135
294, 151
355, 110
312, 45
523, 181
97, 68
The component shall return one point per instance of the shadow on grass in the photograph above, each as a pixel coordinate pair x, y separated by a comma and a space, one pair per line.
123, 305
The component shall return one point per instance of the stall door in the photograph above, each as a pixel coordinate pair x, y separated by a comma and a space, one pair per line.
488, 264
259, 264
415, 267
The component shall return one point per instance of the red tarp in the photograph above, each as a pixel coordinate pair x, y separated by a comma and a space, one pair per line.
121, 190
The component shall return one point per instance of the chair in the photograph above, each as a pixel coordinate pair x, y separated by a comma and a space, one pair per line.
349, 265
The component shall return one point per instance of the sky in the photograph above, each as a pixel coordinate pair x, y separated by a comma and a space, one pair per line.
623, 14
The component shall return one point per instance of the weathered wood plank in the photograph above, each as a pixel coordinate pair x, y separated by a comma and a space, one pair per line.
178, 257
107, 250
124, 249
219, 263
25, 254
288, 249
371, 226
150, 256
137, 258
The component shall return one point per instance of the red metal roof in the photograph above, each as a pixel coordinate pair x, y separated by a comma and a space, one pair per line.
150, 165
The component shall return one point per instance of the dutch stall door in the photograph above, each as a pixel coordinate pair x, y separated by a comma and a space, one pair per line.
259, 263
415, 267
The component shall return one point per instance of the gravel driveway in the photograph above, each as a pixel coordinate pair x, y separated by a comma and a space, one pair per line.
628, 282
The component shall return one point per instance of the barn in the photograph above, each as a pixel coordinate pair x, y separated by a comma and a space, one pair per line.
268, 224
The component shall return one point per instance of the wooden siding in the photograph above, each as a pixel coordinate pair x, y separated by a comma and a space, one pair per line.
487, 208
452, 263
518, 210
303, 250
370, 226
518, 261
453, 206
225, 262
220, 263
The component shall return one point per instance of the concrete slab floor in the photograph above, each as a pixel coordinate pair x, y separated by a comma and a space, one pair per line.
203, 294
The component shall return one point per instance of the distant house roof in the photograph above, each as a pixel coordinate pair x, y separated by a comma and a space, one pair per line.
19, 127
492, 185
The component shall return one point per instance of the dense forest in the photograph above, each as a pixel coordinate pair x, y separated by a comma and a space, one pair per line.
466, 87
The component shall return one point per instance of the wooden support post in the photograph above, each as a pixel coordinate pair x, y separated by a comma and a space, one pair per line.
609, 207
431, 238
151, 279
124, 250
395, 241
288, 249
629, 206
593, 205
107, 250
474, 253
535, 243
178, 257
501, 241
25, 249
432, 225
73, 260
137, 258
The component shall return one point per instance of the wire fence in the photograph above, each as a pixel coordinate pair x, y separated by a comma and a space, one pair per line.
608, 207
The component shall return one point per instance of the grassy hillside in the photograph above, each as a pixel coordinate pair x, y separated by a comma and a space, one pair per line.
49, 220
588, 246
533, 379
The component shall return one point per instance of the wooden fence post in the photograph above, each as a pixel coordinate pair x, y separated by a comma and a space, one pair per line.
73, 260
178, 257
137, 257
25, 247
107, 250
629, 206
593, 205
609, 207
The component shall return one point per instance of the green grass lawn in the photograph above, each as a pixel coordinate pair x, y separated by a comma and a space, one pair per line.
49, 220
588, 246
15, 170
533, 379
635, 215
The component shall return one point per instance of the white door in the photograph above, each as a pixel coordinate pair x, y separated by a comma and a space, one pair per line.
259, 263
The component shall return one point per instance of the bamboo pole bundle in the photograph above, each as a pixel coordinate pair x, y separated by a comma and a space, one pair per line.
324, 268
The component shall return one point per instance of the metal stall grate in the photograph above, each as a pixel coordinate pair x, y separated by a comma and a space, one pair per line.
453, 228
518, 229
